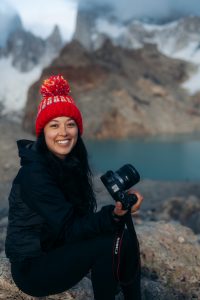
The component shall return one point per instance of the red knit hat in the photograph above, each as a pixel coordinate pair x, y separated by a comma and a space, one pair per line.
56, 102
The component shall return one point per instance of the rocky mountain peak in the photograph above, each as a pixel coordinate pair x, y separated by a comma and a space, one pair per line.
84, 25
72, 54
9, 22
25, 49
54, 41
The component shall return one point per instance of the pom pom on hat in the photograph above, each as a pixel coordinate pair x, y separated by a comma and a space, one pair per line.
56, 102
55, 86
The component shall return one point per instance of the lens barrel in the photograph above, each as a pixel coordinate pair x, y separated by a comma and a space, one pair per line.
129, 175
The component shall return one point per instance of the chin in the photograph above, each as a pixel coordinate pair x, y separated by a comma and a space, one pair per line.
62, 155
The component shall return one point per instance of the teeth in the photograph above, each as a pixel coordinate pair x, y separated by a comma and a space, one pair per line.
63, 142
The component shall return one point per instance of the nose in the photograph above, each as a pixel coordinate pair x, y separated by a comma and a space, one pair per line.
63, 130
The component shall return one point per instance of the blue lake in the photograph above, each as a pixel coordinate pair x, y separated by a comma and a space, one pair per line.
172, 157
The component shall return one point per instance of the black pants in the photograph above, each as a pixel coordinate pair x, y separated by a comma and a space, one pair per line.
62, 268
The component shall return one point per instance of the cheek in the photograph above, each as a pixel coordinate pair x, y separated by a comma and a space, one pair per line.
76, 136
49, 138
75, 141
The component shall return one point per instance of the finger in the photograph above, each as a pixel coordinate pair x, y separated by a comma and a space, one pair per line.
137, 205
118, 209
139, 197
135, 209
118, 205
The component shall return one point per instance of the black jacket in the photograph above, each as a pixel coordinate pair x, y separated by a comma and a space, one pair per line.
40, 217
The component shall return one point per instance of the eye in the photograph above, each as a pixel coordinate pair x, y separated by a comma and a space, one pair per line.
71, 124
54, 125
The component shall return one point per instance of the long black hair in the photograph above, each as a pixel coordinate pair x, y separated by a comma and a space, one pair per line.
72, 174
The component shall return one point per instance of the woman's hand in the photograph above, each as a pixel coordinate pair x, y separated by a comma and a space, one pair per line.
118, 206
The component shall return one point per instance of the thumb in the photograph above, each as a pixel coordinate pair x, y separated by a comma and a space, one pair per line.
118, 205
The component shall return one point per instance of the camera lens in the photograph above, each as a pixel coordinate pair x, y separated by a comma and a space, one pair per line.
129, 175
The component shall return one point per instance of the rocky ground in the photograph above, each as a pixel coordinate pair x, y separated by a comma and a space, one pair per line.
9, 162
168, 203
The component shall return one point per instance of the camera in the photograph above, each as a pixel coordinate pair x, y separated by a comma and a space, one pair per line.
117, 183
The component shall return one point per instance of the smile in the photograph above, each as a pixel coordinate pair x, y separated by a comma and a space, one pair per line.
63, 142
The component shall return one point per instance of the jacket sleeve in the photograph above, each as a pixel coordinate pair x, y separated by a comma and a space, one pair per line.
41, 193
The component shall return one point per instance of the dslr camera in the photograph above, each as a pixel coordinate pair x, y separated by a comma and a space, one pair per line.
117, 183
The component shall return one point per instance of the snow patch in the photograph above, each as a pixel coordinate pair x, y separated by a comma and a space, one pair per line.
14, 87
155, 27
114, 30
191, 54
193, 83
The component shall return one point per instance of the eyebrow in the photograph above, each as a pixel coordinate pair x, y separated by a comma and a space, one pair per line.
54, 120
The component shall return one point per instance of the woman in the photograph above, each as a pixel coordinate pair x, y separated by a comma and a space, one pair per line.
54, 236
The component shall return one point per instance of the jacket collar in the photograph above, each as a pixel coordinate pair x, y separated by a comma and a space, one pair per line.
28, 152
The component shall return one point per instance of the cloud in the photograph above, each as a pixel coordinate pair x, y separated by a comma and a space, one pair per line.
40, 16
159, 9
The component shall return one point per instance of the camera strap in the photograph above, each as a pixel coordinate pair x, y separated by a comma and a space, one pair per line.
126, 268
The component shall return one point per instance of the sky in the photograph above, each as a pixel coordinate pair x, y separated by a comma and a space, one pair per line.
40, 16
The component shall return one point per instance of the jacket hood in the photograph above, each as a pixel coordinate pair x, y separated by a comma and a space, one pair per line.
28, 152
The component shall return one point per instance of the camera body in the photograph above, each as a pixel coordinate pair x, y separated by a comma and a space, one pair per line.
117, 183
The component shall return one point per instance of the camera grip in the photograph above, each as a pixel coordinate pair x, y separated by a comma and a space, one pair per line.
127, 200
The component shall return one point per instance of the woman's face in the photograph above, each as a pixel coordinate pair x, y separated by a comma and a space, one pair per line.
61, 135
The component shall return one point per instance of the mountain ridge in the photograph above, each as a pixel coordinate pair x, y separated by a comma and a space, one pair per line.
122, 92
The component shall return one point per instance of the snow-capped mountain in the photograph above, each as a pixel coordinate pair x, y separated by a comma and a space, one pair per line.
9, 22
28, 50
178, 39
23, 55
22, 58
94, 26
172, 39
14, 88
21, 63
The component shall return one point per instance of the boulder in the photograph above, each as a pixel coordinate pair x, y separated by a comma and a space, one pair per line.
186, 210
170, 257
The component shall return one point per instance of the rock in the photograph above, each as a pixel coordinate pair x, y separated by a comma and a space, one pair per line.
3, 230
186, 210
155, 290
25, 48
54, 42
170, 257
